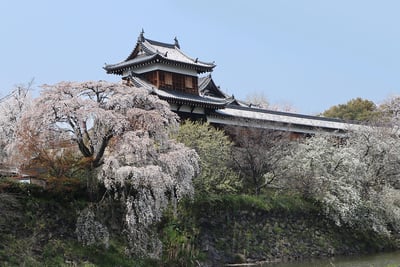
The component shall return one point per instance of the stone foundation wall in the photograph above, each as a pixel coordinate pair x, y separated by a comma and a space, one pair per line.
250, 236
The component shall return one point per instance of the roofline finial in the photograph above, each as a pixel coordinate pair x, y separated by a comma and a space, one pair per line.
177, 43
141, 36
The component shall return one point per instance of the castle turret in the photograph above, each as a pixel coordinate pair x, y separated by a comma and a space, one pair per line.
163, 65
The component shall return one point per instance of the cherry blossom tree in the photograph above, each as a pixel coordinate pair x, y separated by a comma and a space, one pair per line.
356, 179
319, 168
124, 134
256, 155
148, 177
12, 107
91, 113
390, 109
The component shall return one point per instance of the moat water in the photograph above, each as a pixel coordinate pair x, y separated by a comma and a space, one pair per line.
391, 259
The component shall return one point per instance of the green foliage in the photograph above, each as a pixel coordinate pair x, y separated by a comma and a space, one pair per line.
16, 252
11, 186
291, 202
217, 215
179, 245
214, 148
62, 189
59, 252
230, 202
270, 202
179, 236
357, 109
182, 231
9, 211
39, 230
42, 231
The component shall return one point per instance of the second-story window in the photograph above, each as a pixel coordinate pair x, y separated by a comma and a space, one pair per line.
168, 78
188, 82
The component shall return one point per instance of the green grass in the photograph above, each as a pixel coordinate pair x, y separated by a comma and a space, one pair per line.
42, 232
68, 253
74, 253
268, 202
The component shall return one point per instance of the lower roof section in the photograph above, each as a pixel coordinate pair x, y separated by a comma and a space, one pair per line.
181, 98
282, 121
227, 111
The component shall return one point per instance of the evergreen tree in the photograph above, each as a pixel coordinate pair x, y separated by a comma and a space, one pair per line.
357, 109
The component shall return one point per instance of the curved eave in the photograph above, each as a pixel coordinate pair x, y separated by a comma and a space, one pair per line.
152, 45
190, 102
208, 88
134, 53
119, 68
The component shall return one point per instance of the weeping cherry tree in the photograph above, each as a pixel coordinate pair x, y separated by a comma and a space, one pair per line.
123, 133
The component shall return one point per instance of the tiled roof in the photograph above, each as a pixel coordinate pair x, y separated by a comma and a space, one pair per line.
207, 87
125, 64
180, 97
221, 108
172, 52
226, 111
288, 120
146, 51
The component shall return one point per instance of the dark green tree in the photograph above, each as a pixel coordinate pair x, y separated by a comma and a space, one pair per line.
357, 109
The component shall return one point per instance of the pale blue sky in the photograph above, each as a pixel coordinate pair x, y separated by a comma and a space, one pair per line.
311, 54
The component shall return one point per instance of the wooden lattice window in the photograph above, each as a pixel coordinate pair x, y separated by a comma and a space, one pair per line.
189, 82
168, 78
151, 77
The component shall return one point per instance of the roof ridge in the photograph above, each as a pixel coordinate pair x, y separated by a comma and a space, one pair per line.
158, 43
177, 49
146, 49
195, 60
297, 115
